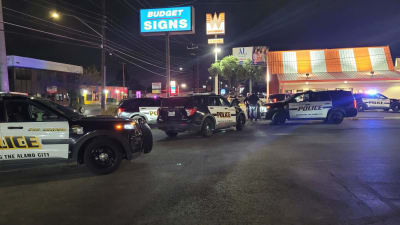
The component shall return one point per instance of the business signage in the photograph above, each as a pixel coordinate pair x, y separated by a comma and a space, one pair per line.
213, 41
156, 88
256, 54
173, 88
178, 20
243, 53
215, 23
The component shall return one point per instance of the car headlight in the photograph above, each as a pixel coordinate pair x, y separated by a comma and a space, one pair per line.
130, 126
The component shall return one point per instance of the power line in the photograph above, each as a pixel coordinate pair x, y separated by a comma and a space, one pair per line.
130, 62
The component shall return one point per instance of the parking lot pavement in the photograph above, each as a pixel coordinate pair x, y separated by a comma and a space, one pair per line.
299, 173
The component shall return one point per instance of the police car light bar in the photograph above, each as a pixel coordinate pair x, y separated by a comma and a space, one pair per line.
371, 92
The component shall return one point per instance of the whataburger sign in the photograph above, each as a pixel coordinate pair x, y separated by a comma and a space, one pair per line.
178, 20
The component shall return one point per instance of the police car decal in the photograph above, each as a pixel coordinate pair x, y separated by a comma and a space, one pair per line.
224, 116
308, 110
32, 140
376, 103
150, 112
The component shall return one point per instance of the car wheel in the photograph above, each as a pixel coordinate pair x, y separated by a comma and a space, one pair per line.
139, 119
147, 138
102, 156
396, 108
386, 110
278, 118
240, 122
207, 128
171, 134
335, 117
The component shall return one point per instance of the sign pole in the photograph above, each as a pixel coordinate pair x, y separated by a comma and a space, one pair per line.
216, 89
168, 64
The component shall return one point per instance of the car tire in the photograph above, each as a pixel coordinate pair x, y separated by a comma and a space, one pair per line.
386, 110
207, 128
278, 118
139, 119
335, 117
396, 108
147, 144
171, 134
240, 122
102, 156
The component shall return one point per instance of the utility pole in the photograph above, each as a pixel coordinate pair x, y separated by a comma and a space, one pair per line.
4, 86
123, 75
168, 64
103, 55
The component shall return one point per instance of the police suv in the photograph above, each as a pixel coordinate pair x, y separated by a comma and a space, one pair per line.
376, 101
199, 113
145, 109
330, 106
39, 129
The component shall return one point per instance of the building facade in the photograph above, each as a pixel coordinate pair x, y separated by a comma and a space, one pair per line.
354, 69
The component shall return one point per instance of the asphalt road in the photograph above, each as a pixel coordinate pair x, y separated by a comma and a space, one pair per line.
301, 173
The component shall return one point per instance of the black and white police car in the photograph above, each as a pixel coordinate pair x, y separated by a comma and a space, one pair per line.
330, 106
202, 113
38, 129
373, 100
145, 109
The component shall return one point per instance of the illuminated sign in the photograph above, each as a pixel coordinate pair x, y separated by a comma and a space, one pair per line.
223, 91
179, 20
215, 23
173, 87
156, 88
215, 41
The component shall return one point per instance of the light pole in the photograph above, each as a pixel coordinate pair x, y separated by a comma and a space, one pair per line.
216, 51
56, 16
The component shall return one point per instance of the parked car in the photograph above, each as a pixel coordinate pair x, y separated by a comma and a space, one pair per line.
144, 109
376, 101
39, 129
330, 106
199, 113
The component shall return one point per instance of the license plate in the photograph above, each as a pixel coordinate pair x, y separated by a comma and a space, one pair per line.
171, 113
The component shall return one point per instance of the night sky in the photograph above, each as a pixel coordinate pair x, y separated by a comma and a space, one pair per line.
280, 24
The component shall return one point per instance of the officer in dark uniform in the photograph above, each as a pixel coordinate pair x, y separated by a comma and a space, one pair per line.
252, 102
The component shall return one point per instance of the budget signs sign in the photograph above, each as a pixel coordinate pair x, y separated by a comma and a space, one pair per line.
178, 20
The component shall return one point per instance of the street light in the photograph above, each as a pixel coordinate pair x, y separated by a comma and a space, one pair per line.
56, 16
183, 86
180, 68
210, 78
217, 50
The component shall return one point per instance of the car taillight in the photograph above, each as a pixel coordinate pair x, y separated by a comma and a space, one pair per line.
275, 100
191, 111
120, 110
355, 104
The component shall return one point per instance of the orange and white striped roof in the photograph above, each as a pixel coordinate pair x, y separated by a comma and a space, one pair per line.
330, 60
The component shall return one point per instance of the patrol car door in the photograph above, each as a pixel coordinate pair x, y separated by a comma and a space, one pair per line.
310, 105
219, 112
382, 101
149, 107
230, 112
32, 131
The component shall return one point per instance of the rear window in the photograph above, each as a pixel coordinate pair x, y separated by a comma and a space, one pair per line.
341, 96
150, 102
178, 101
129, 103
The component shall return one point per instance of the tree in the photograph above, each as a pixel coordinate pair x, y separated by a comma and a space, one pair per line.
252, 73
90, 76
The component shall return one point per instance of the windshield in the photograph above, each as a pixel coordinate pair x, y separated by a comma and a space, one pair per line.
69, 113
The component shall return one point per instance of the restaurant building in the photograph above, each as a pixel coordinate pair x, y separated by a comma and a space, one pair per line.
353, 69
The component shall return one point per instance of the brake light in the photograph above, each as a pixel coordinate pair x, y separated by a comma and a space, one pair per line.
120, 110
275, 100
355, 104
191, 111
